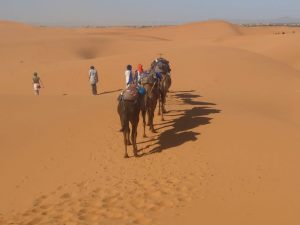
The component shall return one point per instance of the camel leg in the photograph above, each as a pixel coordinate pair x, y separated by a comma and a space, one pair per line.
148, 113
144, 111
153, 106
127, 135
133, 139
144, 122
125, 143
159, 103
164, 103
151, 121
162, 110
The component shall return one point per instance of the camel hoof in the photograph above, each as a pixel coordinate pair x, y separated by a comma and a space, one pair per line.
126, 156
129, 143
162, 119
144, 136
153, 131
136, 155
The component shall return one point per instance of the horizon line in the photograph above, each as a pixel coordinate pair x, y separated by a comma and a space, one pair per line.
161, 24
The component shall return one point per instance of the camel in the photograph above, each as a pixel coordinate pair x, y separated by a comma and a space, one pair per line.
161, 65
150, 102
164, 88
129, 111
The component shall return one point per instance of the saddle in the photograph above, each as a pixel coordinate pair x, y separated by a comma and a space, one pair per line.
161, 65
148, 77
130, 93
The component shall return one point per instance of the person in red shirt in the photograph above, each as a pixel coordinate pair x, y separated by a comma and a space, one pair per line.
138, 73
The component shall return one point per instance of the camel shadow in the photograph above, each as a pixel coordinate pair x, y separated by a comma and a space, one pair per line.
186, 120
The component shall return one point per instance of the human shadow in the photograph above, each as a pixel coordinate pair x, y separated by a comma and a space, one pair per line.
187, 119
109, 92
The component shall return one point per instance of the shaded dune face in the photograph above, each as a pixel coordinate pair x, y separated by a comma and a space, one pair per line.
87, 52
89, 48
79, 47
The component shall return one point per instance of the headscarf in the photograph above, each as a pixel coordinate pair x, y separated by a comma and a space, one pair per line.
140, 68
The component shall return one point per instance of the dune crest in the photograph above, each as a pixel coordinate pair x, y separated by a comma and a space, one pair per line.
214, 27
13, 24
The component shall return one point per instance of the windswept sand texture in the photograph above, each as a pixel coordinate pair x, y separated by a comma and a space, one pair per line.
227, 153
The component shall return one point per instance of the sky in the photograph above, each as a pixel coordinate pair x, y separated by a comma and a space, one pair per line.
142, 12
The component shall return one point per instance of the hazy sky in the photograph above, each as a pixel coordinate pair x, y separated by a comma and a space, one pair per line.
139, 12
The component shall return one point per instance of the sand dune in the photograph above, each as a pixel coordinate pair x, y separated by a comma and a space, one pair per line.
226, 154
214, 28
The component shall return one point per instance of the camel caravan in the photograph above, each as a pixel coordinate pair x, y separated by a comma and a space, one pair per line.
141, 96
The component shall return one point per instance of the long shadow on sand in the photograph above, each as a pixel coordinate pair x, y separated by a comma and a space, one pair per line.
109, 92
187, 119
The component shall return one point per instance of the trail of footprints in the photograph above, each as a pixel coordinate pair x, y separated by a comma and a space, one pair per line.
121, 204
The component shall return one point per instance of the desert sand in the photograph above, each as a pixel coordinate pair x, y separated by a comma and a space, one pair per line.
227, 152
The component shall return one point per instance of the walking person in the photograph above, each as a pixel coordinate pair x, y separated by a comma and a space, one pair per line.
37, 83
93, 77
128, 75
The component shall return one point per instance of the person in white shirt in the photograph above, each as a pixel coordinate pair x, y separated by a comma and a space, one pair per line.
128, 75
93, 77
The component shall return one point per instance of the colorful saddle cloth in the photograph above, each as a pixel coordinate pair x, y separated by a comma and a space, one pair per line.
130, 93
148, 77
